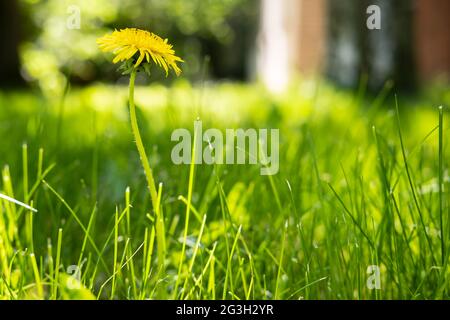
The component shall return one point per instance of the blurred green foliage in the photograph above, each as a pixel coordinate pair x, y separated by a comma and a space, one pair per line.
219, 33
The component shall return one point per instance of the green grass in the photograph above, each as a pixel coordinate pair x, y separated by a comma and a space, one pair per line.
362, 182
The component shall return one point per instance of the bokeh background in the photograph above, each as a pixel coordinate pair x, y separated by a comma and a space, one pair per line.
310, 68
48, 42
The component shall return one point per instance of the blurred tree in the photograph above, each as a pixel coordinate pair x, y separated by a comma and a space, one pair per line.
404, 73
10, 36
355, 51
223, 31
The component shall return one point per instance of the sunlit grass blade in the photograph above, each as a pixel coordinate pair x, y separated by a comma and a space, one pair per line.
10, 199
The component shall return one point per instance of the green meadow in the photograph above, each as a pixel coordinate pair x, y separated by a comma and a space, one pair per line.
362, 192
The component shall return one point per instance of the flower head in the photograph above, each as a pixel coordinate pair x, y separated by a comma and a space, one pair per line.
130, 42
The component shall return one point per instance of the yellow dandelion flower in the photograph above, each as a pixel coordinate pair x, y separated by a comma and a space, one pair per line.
126, 43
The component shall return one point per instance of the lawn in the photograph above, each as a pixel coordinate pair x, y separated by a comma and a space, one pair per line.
361, 192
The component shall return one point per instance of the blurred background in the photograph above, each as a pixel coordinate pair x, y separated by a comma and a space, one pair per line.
310, 68
48, 43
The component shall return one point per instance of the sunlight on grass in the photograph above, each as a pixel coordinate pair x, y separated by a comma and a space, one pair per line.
352, 192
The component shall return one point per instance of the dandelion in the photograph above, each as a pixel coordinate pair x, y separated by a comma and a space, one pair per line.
132, 43
137, 49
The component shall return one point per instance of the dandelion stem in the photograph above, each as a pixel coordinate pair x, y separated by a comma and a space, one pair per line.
139, 144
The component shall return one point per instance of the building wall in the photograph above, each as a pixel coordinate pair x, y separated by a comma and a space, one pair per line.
292, 40
273, 45
432, 38
311, 36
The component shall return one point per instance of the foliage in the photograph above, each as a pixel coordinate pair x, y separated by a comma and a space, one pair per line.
57, 50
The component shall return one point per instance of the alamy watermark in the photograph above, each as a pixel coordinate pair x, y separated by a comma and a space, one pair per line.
73, 21
374, 20
374, 280
239, 146
73, 282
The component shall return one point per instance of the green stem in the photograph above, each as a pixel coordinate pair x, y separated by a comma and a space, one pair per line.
139, 144
441, 183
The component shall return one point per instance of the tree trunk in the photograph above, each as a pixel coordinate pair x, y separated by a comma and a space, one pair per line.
381, 55
10, 38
